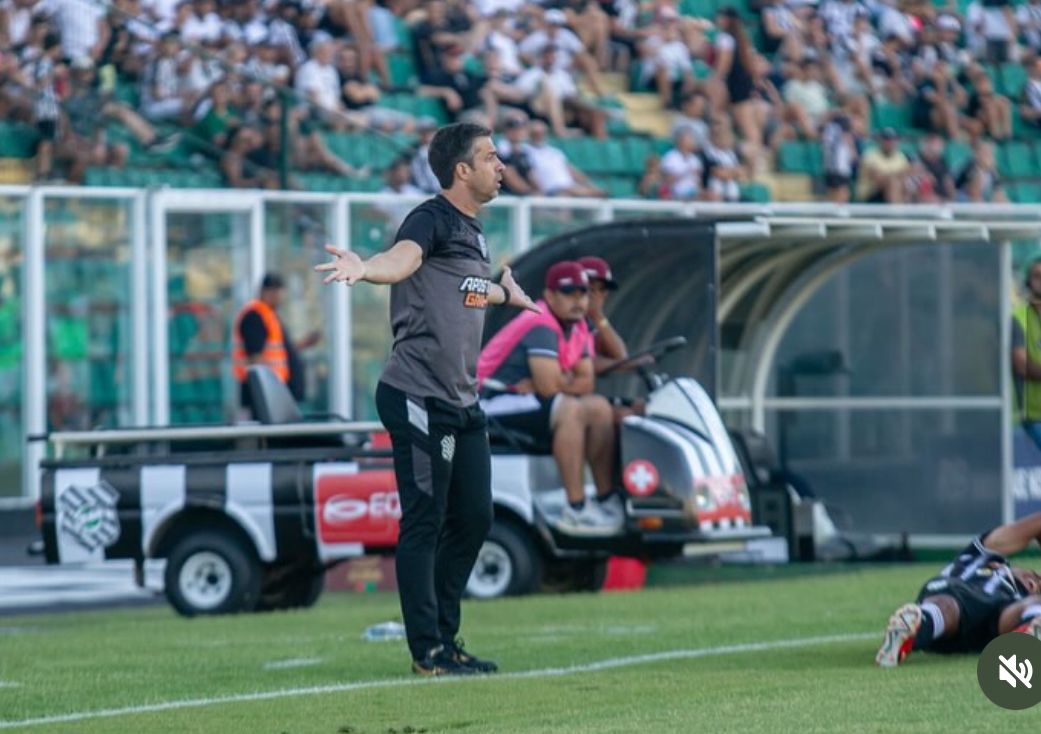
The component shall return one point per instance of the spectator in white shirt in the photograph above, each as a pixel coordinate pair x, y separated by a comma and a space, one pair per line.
82, 26
422, 174
692, 116
15, 18
840, 158
668, 61
807, 98
318, 82
1030, 102
993, 27
164, 90
571, 53
500, 41
203, 26
551, 93
723, 169
551, 170
683, 168
1028, 17
245, 24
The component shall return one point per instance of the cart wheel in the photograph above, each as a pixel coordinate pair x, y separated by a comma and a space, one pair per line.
210, 572
508, 564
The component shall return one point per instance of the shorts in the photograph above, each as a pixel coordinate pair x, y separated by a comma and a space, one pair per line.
47, 129
836, 181
530, 415
980, 613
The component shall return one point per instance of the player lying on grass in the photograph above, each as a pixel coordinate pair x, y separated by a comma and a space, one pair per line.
977, 597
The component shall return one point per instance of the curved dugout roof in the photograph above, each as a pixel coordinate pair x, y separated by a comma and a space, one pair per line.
770, 263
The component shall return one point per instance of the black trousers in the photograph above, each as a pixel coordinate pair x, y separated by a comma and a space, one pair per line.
442, 463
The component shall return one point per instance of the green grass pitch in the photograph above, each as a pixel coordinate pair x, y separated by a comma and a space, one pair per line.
730, 656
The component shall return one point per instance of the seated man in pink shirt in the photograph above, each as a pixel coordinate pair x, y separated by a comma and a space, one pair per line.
537, 376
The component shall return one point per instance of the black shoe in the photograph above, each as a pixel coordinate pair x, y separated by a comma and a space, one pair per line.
439, 662
461, 656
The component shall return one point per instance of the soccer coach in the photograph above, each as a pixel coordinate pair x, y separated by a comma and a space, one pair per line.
439, 273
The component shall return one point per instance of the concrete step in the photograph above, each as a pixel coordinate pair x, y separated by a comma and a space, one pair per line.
16, 170
790, 187
614, 83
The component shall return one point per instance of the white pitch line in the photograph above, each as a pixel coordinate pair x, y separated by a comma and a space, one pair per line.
9, 684
291, 663
608, 664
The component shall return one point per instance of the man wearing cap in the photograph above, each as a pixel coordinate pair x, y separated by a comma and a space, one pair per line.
439, 272
608, 345
884, 171
260, 338
537, 377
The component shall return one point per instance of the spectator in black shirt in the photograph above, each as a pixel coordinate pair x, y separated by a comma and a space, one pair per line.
432, 36
516, 177
466, 94
978, 181
939, 184
987, 113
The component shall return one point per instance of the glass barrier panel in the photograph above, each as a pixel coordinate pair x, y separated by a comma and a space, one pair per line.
208, 281
12, 437
87, 291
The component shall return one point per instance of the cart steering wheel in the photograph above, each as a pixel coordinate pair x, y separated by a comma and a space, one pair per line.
646, 356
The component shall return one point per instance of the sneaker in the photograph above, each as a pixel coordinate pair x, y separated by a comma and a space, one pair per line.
439, 662
457, 652
590, 520
612, 507
164, 143
900, 634
1032, 628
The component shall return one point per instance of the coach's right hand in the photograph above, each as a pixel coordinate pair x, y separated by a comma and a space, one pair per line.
345, 267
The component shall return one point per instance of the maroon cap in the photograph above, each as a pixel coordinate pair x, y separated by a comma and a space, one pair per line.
598, 269
566, 274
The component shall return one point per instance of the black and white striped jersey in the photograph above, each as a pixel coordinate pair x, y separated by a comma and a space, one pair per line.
984, 569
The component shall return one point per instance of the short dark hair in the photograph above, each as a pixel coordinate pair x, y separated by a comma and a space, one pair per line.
272, 280
453, 144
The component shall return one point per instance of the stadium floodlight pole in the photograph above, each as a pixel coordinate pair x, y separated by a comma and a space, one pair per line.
283, 134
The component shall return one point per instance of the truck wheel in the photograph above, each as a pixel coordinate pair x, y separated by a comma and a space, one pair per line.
209, 572
291, 587
508, 564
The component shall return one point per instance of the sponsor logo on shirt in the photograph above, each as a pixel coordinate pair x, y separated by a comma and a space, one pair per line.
475, 291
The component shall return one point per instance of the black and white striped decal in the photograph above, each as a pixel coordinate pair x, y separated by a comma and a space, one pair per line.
148, 497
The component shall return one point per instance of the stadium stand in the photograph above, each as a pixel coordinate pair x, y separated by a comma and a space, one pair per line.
196, 93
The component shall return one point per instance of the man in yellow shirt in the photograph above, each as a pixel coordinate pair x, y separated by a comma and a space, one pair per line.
884, 171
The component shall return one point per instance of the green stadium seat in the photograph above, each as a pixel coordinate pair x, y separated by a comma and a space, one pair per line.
698, 8
622, 187
815, 157
897, 116
1016, 160
17, 140
956, 154
402, 70
1013, 76
1028, 193
791, 157
429, 107
638, 149
755, 192
404, 34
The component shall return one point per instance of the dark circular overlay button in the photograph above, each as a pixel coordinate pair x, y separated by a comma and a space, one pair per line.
1009, 670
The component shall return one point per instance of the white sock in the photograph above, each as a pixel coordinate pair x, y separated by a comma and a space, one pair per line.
936, 616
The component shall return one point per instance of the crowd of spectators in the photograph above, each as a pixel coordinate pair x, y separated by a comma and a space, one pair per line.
214, 76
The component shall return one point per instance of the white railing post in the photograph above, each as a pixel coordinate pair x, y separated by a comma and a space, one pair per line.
34, 383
